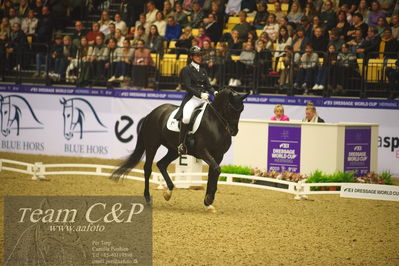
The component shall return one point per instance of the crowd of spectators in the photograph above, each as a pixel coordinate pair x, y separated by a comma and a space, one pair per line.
265, 35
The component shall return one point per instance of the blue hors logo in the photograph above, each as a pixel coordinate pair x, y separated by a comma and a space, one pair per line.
16, 114
358, 148
284, 146
80, 117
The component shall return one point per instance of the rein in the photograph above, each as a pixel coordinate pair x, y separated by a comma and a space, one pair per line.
224, 121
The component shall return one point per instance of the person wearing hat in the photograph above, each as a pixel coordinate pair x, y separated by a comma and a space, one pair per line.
194, 80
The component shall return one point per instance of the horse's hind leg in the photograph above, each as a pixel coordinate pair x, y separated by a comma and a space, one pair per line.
163, 165
149, 155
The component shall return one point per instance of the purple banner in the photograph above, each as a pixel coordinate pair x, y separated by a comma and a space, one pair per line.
357, 150
284, 148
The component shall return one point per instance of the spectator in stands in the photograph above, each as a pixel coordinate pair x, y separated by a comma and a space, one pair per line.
387, 6
23, 8
382, 24
208, 57
282, 41
288, 60
244, 65
307, 69
78, 33
184, 41
252, 37
234, 43
261, 16
263, 58
167, 9
155, 41
141, 65
196, 16
144, 23
12, 16
300, 41
272, 27
284, 23
221, 56
16, 46
311, 115
114, 54
248, 6
218, 13
104, 22
43, 59
347, 68
82, 63
279, 114
180, 17
151, 12
233, 7
111, 34
160, 23
319, 41
243, 27
310, 10
334, 39
393, 78
37, 8
278, 12
99, 57
328, 70
120, 24
94, 33
356, 42
122, 64
375, 13
295, 14
316, 23
370, 46
351, 5
363, 9
389, 46
173, 30
395, 27
63, 58
213, 29
202, 36
45, 26
29, 24
119, 38
267, 41
357, 24
5, 28
139, 34
328, 17
342, 25
306, 26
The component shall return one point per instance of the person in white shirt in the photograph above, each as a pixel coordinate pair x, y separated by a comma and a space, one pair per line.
29, 24
151, 12
120, 24
160, 23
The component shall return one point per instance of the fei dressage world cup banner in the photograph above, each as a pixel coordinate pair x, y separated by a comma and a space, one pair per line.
103, 123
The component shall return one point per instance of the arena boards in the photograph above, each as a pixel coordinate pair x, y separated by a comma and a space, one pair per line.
102, 123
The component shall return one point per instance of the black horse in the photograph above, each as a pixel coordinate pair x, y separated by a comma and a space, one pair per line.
209, 143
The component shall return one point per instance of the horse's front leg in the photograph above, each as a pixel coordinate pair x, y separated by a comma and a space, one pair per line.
213, 176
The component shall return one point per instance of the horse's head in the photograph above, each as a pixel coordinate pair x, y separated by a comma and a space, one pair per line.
68, 118
230, 104
5, 115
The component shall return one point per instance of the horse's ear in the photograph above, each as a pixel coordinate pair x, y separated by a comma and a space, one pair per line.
63, 101
244, 96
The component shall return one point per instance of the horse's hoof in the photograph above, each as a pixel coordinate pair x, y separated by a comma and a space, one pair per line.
167, 194
211, 209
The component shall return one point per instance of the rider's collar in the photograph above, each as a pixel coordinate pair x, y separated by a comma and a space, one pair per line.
195, 65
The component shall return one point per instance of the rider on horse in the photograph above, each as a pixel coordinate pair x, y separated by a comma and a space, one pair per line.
194, 80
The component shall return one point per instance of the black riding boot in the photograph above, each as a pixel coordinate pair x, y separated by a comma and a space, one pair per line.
182, 149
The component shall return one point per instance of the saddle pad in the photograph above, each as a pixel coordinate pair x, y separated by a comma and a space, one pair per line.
173, 124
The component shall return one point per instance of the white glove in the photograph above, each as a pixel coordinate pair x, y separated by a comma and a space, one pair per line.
215, 93
204, 96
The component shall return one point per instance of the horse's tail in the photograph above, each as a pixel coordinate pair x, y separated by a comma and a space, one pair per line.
134, 158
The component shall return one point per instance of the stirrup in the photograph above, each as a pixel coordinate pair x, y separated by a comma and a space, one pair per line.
181, 149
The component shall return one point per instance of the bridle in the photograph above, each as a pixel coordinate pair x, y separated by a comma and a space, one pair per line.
225, 122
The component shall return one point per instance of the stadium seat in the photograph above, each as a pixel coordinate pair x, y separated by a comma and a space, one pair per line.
375, 70
259, 32
233, 20
360, 64
168, 65
195, 32
180, 63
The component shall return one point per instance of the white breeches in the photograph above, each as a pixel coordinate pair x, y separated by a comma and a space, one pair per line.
189, 108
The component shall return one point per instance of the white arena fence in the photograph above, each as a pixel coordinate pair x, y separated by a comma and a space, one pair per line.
39, 171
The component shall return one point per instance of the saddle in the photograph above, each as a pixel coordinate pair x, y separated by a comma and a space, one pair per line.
195, 120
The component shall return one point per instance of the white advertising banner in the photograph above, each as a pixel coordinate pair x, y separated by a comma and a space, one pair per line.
102, 123
370, 191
